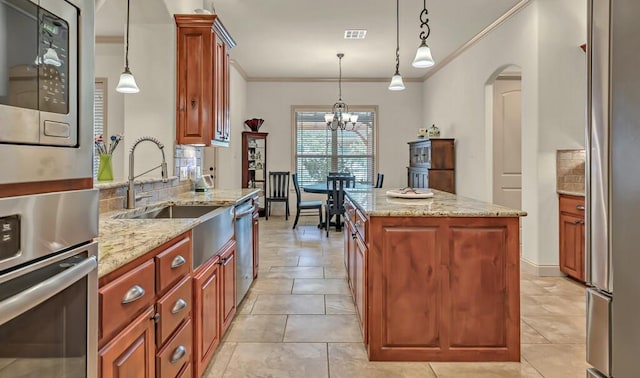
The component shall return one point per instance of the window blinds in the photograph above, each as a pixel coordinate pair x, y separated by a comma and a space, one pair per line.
320, 150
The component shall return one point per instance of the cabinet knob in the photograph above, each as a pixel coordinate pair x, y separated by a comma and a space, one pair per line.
194, 103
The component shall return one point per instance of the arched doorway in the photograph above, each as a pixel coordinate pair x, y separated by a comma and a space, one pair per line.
506, 125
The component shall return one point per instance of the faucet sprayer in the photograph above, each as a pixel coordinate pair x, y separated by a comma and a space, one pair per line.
131, 196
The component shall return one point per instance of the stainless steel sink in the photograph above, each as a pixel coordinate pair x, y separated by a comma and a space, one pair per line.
175, 211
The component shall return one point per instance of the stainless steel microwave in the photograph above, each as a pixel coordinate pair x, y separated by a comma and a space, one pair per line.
39, 72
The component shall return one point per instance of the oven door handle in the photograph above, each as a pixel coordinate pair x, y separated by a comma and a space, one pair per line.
20, 303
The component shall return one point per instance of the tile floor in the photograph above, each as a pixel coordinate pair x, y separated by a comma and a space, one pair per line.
298, 320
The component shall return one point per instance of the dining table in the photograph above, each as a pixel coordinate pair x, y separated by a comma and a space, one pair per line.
326, 188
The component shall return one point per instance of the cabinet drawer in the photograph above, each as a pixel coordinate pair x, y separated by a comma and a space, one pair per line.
173, 308
572, 205
349, 211
177, 353
173, 263
122, 299
360, 224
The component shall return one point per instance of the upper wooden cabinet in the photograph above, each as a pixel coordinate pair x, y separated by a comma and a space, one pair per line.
202, 100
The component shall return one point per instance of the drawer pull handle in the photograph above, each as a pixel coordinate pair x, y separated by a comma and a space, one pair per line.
179, 306
178, 354
580, 207
178, 261
133, 294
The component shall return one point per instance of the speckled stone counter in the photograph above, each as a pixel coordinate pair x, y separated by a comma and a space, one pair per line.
571, 193
123, 240
375, 203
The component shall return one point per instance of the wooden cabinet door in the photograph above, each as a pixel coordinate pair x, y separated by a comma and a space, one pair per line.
131, 352
206, 317
360, 251
442, 179
194, 85
256, 242
226, 91
572, 246
228, 282
219, 98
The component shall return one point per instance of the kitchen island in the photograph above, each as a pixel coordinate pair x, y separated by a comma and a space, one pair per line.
434, 279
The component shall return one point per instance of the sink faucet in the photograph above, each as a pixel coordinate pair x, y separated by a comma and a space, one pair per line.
131, 191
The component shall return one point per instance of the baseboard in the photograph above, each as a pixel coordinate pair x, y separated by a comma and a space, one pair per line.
540, 270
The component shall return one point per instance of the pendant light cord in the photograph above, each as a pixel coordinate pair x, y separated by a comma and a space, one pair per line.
340, 77
126, 53
398, 37
424, 23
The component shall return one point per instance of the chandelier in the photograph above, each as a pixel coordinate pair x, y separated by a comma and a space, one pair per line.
340, 116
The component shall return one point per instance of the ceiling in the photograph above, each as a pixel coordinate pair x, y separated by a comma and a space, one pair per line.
300, 38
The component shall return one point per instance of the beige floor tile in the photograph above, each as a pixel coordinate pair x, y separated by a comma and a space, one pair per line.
299, 251
335, 272
559, 329
220, 360
484, 369
257, 328
334, 261
349, 360
557, 360
247, 303
44, 367
339, 304
271, 286
289, 304
528, 287
323, 328
278, 360
560, 285
278, 261
561, 305
294, 272
320, 286
529, 307
528, 335
4, 362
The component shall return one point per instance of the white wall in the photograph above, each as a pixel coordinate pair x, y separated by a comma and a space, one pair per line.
229, 166
151, 112
542, 39
109, 63
399, 118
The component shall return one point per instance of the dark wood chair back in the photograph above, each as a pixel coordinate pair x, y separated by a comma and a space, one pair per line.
342, 174
335, 188
296, 186
379, 180
278, 185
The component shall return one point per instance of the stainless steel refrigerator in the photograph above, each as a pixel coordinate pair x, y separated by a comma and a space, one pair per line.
613, 189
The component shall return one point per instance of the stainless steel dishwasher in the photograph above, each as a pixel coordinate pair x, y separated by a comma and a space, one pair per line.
244, 248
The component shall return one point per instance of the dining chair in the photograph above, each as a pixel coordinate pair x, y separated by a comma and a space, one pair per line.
379, 180
278, 192
305, 205
335, 198
347, 174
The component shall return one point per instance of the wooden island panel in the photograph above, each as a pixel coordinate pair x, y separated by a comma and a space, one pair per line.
444, 289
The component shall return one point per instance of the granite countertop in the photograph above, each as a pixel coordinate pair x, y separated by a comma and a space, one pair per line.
571, 192
123, 240
116, 183
375, 202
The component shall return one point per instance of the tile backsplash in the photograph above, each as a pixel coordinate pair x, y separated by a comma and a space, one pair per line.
188, 162
113, 194
570, 170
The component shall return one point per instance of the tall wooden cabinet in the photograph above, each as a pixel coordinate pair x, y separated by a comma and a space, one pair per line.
202, 100
254, 163
432, 164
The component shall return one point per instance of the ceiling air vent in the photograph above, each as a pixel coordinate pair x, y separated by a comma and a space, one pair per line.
355, 34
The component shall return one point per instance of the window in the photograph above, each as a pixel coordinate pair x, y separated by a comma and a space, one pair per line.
99, 117
319, 150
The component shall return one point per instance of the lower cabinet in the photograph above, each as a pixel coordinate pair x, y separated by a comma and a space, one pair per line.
355, 263
206, 317
228, 284
572, 238
131, 352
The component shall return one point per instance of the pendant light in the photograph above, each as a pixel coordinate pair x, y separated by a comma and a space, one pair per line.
127, 83
340, 116
423, 57
396, 81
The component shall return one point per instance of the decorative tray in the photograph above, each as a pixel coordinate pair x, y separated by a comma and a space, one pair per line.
410, 193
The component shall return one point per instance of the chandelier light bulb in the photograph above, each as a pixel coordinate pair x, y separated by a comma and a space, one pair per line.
423, 57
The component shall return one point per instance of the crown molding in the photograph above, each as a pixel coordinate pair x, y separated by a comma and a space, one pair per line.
116, 39
329, 80
494, 25
239, 69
